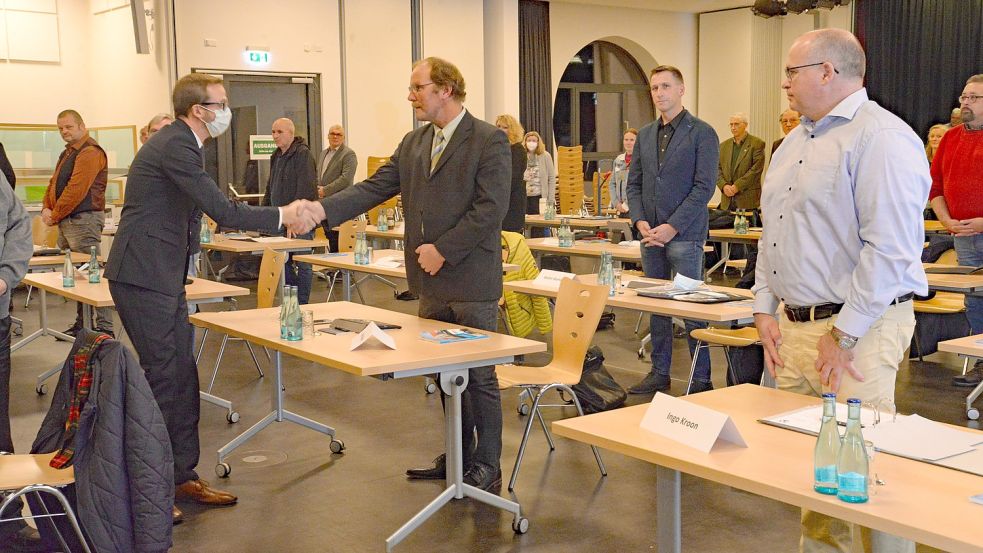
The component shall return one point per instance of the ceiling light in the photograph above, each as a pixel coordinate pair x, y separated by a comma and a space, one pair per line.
769, 8
799, 6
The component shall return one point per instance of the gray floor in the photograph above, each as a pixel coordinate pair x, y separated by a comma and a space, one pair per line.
296, 496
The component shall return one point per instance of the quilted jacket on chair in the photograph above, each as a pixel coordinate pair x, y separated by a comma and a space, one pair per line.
523, 311
124, 468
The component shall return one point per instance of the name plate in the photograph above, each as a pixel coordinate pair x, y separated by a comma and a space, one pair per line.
372, 331
551, 278
689, 424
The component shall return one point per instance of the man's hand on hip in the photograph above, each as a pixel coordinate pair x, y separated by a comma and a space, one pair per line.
771, 340
832, 361
429, 258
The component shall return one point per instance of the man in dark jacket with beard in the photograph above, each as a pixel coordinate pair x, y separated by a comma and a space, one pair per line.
292, 177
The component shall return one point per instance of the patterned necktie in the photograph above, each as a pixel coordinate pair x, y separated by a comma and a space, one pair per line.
438, 148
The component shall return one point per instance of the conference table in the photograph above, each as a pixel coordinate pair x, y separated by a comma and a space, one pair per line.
412, 357
584, 248
345, 262
970, 346
576, 222
922, 502
241, 244
95, 295
740, 311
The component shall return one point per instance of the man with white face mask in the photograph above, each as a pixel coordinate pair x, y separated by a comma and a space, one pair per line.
148, 262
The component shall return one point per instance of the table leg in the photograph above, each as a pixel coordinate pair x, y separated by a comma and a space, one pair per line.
278, 414
44, 330
724, 257
346, 281
453, 384
667, 515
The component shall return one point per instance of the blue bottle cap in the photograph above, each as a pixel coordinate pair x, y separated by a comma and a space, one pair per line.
852, 401
829, 394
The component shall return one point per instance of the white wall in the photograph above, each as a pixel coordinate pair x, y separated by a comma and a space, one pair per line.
652, 37
100, 74
293, 30
501, 22
454, 30
725, 68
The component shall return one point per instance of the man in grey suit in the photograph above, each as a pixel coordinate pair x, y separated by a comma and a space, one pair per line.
673, 171
742, 159
455, 178
336, 171
148, 262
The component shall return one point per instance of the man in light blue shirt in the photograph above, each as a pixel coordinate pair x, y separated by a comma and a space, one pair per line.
841, 245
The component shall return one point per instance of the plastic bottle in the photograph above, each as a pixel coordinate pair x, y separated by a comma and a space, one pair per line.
827, 449
93, 266
852, 467
68, 271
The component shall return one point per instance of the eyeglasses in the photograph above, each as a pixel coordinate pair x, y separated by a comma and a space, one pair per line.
416, 88
221, 105
969, 98
791, 72
336, 134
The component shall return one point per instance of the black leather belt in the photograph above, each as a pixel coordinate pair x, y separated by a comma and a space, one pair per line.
827, 310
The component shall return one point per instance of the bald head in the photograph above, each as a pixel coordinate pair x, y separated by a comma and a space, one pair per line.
283, 133
839, 47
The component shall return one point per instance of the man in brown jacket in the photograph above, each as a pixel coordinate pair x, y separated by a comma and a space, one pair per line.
76, 199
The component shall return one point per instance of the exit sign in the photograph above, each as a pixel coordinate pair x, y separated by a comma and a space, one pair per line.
257, 57
261, 146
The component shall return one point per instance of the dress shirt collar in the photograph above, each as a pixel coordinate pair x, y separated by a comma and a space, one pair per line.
201, 143
846, 109
450, 127
675, 120
77, 145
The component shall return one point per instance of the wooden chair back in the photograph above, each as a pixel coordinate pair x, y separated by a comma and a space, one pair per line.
948, 257
578, 310
346, 234
43, 235
270, 269
372, 165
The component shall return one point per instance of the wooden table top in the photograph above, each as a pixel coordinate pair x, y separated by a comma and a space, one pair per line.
575, 222
346, 261
934, 226
56, 260
963, 284
261, 326
967, 345
712, 312
222, 243
728, 235
97, 295
586, 249
923, 502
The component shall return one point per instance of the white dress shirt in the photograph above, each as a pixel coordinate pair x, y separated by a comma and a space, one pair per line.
842, 213
448, 130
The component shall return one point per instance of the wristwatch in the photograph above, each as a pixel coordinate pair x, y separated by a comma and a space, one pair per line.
842, 339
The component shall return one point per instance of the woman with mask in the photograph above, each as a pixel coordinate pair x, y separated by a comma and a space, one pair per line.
515, 218
540, 174
619, 179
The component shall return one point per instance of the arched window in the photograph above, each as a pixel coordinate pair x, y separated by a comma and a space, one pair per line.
603, 92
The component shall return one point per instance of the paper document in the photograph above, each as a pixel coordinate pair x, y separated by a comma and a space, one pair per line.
629, 243
389, 262
551, 279
272, 239
550, 241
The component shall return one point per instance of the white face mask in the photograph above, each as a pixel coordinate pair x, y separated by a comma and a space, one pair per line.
223, 118
532, 145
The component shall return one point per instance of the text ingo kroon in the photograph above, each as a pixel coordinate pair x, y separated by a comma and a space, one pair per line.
673, 419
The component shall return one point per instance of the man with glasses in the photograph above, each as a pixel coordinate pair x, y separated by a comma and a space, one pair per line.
789, 119
454, 175
957, 170
336, 171
841, 246
148, 263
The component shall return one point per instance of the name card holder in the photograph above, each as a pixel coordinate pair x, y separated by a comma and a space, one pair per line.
689, 424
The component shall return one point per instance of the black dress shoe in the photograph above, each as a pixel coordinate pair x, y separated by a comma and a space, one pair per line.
484, 477
71, 331
698, 386
653, 382
437, 472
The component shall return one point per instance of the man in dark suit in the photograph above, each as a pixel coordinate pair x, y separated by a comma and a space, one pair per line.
336, 171
454, 175
673, 170
789, 119
742, 158
148, 262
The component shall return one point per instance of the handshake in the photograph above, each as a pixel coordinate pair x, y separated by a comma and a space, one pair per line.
300, 216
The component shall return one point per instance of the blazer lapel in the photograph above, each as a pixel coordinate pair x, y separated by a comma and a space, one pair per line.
744, 150
726, 151
462, 133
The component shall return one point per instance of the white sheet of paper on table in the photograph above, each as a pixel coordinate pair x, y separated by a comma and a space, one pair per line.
372, 331
550, 278
272, 239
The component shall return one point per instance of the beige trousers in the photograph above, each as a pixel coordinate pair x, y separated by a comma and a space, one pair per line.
877, 356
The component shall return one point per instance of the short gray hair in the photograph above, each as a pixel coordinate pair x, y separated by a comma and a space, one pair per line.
158, 118
842, 49
741, 116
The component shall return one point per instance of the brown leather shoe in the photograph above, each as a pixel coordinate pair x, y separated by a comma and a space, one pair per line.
176, 515
200, 491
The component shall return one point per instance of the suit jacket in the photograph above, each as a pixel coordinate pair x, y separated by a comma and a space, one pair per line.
167, 181
515, 218
458, 208
340, 172
776, 144
746, 174
678, 193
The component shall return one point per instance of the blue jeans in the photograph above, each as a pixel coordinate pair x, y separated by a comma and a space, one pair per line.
300, 274
969, 251
684, 257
